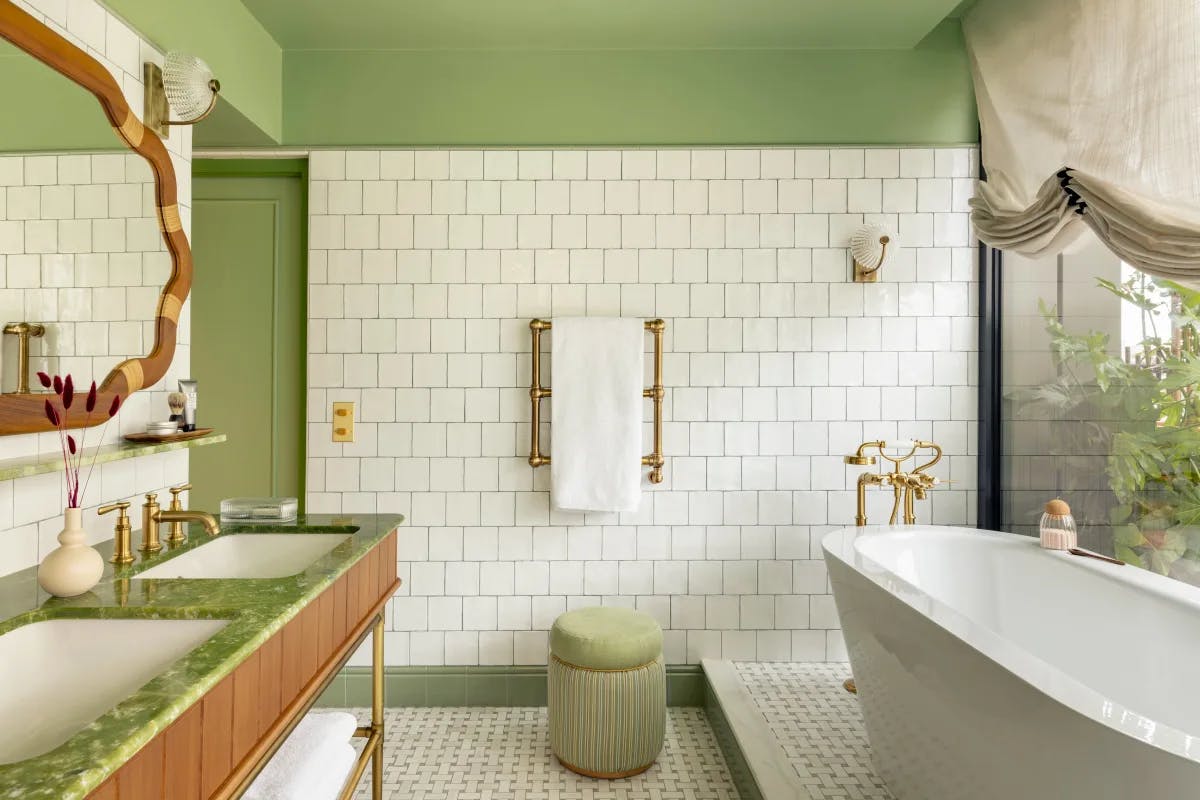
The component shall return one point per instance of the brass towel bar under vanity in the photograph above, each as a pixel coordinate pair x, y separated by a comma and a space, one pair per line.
656, 393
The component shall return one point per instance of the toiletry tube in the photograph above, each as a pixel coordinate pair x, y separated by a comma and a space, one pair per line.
189, 389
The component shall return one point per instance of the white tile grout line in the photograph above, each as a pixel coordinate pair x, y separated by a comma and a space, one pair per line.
769, 765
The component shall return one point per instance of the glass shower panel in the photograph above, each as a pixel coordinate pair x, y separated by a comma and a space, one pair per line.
1099, 371
1054, 441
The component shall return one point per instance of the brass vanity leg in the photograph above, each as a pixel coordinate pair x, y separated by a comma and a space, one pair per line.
377, 708
373, 733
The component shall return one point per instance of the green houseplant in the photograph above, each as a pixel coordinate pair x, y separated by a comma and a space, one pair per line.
1142, 410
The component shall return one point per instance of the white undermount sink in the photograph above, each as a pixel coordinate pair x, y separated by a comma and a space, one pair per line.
249, 555
58, 676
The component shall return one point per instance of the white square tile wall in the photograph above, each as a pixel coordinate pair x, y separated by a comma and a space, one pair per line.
78, 246
425, 269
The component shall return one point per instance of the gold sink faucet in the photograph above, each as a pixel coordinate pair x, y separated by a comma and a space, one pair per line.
153, 517
906, 486
23, 331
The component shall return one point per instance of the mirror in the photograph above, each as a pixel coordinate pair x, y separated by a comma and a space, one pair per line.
92, 252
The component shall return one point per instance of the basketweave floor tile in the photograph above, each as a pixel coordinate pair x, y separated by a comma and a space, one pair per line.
504, 754
818, 724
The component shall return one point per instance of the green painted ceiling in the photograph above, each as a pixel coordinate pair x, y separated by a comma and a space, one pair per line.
598, 24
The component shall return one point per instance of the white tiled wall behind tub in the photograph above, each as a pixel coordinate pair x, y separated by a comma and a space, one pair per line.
425, 269
31, 508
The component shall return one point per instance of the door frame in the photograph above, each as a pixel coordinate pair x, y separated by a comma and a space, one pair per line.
279, 168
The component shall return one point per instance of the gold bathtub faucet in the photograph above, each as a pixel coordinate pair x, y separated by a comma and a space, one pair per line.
906, 486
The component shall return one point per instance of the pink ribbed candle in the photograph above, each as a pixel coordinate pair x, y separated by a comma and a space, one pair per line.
1058, 526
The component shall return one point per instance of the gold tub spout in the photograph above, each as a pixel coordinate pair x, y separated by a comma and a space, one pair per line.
211, 527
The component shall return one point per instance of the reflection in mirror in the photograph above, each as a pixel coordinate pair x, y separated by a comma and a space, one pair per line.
80, 249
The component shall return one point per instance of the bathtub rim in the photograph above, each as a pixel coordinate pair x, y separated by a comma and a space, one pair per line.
1040, 675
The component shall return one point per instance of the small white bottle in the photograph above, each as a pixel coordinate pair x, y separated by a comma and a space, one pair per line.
1058, 526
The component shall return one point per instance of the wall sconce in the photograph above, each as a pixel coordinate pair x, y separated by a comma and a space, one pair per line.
185, 84
869, 247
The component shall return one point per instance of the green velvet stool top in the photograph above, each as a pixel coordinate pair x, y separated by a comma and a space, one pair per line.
606, 637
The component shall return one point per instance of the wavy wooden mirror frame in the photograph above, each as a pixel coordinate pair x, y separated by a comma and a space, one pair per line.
23, 413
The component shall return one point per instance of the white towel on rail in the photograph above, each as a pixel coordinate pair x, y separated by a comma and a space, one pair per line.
596, 404
312, 759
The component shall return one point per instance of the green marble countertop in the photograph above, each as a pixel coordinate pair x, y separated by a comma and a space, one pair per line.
27, 466
256, 610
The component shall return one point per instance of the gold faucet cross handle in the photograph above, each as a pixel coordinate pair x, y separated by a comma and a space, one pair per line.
175, 492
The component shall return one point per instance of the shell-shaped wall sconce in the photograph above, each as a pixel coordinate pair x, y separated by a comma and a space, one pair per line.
870, 246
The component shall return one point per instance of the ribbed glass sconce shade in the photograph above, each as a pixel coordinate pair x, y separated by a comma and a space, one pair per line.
189, 85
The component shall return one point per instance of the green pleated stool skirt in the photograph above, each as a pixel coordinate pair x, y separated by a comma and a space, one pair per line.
607, 691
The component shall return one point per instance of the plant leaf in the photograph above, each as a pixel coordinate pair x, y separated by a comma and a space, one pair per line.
71, 444
90, 406
51, 414
68, 394
44, 379
58, 385
115, 407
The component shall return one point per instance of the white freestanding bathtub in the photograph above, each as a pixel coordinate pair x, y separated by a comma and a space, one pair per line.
991, 669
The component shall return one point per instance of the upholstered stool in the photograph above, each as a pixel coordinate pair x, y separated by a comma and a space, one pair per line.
608, 691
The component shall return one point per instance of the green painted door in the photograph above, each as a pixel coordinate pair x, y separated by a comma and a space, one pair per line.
248, 329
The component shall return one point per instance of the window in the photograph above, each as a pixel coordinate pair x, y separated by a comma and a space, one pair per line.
1100, 367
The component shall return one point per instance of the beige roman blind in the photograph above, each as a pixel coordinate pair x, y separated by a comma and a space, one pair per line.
1090, 115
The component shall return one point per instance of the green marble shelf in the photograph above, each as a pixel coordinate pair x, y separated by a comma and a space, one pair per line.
28, 466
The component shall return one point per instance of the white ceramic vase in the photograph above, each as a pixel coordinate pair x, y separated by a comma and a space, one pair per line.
73, 567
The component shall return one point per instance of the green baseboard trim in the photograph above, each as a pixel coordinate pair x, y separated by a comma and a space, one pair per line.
479, 686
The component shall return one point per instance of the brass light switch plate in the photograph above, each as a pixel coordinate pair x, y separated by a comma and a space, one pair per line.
343, 422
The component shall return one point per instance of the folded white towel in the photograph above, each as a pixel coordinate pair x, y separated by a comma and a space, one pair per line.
332, 781
308, 760
596, 413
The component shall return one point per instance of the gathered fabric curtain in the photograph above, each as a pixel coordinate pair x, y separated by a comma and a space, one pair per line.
1090, 119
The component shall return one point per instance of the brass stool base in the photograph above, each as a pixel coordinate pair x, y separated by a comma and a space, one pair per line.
605, 776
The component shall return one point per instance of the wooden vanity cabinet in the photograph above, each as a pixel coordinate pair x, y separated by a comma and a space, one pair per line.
233, 729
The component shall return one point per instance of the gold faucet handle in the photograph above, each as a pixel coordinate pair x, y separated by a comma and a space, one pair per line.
121, 507
175, 492
151, 497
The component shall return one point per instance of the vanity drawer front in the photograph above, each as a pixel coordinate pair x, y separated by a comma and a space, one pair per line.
211, 746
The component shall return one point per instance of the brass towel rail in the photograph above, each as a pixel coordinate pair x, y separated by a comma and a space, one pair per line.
656, 393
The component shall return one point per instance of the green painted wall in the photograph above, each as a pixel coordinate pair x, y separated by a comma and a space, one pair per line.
48, 111
382, 98
513, 97
240, 51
